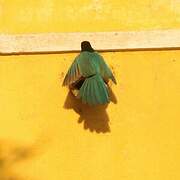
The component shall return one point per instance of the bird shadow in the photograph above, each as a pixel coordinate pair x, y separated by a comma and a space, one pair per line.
94, 118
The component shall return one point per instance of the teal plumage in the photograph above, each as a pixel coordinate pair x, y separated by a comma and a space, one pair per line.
90, 67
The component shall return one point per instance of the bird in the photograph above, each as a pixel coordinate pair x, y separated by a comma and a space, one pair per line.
89, 75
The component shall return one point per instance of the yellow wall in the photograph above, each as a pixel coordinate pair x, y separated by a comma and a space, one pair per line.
135, 138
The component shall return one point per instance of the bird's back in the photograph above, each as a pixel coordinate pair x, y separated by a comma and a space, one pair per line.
89, 63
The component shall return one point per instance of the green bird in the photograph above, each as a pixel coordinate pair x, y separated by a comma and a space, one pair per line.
89, 74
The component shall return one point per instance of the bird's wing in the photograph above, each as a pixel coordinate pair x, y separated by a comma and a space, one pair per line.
105, 71
73, 74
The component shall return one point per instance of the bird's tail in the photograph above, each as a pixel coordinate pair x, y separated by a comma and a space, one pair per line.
94, 91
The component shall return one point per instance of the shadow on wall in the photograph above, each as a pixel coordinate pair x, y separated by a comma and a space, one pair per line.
10, 156
95, 118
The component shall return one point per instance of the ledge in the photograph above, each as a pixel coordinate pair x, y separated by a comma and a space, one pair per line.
101, 41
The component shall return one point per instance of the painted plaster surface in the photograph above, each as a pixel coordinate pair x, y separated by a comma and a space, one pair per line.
46, 135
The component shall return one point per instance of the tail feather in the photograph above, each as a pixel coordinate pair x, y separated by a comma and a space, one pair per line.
94, 91
84, 92
88, 95
101, 93
105, 97
97, 94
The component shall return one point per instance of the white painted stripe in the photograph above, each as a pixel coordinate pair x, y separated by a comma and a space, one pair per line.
102, 41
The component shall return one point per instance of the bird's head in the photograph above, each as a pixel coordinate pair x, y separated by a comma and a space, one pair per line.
86, 46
